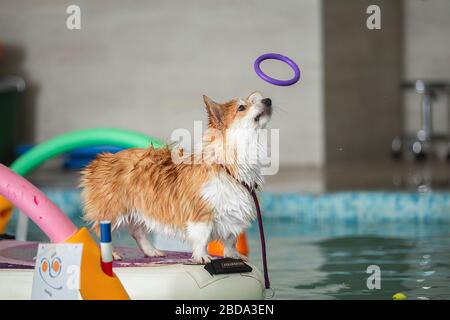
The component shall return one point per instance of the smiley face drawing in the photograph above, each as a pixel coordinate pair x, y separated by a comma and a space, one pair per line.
57, 271
49, 271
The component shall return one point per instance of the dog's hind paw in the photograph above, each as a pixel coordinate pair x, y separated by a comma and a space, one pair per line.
116, 256
155, 253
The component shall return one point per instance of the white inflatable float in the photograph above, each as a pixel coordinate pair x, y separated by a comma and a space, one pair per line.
170, 277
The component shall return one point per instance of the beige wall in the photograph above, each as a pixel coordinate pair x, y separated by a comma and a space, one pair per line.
427, 55
145, 64
363, 71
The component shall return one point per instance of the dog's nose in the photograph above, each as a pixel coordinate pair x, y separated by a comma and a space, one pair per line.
267, 102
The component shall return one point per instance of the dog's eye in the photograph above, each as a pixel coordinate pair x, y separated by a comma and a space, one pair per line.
241, 107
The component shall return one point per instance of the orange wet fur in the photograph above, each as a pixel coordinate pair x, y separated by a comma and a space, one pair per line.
147, 180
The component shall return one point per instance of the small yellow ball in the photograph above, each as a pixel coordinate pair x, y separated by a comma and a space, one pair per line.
399, 296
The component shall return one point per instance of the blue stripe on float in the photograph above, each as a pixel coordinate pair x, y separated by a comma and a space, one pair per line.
105, 231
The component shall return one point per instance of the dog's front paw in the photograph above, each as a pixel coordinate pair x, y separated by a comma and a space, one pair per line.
201, 259
243, 257
236, 255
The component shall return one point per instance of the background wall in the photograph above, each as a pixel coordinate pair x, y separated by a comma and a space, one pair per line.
427, 55
144, 65
363, 70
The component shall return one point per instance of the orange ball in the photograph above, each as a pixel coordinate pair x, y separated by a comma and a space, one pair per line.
216, 247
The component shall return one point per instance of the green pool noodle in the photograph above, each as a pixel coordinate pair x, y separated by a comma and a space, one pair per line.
79, 139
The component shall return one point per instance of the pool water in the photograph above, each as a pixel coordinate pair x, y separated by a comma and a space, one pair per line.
330, 262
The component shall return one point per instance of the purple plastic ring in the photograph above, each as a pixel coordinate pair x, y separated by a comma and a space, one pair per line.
276, 56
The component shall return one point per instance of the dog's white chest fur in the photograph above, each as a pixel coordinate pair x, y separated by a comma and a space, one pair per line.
233, 205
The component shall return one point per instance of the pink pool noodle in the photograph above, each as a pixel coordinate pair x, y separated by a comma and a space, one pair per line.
35, 204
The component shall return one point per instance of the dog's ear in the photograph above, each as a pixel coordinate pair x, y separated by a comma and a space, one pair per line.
215, 112
255, 97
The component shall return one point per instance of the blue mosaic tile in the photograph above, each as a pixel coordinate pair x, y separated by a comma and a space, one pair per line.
358, 206
349, 207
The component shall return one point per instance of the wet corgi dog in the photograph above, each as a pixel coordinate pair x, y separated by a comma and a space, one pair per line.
198, 197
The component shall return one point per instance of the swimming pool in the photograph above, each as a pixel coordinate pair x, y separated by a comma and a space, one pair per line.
319, 247
331, 261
